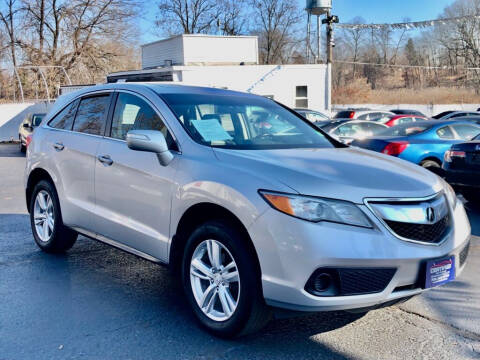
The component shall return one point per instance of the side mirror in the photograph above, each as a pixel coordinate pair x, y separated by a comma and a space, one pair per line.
150, 141
26, 126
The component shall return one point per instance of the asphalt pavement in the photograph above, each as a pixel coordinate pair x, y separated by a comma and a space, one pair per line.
97, 302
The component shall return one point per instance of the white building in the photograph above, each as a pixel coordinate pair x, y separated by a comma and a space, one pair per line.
229, 62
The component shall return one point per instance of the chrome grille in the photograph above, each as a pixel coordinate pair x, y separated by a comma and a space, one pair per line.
433, 233
426, 220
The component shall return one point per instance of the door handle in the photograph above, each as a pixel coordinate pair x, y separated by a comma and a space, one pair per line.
105, 159
58, 146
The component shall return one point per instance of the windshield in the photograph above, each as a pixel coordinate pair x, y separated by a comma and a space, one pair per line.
241, 122
405, 130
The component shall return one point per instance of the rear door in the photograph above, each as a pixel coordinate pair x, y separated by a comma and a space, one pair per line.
133, 191
78, 130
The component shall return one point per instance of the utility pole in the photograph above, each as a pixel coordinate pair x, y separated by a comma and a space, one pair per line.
329, 21
319, 45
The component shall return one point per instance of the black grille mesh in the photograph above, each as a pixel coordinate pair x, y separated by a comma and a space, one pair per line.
364, 281
464, 254
428, 233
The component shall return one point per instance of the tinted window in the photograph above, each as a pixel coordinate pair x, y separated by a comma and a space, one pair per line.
243, 122
466, 132
373, 128
314, 116
348, 130
458, 115
64, 119
91, 114
405, 130
405, 120
445, 133
133, 113
345, 114
439, 116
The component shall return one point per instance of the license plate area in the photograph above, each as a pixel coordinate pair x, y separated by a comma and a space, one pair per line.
439, 271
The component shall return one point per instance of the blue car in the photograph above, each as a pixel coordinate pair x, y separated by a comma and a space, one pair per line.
423, 143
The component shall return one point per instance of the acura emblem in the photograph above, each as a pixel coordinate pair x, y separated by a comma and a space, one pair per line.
430, 214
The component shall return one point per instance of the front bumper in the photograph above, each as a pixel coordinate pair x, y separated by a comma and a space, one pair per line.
290, 250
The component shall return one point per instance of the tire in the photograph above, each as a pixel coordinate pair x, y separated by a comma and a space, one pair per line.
56, 238
433, 166
22, 147
250, 313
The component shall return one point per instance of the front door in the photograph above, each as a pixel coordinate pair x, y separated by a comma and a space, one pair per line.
133, 190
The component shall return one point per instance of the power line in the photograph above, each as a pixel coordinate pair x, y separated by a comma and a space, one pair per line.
410, 25
409, 66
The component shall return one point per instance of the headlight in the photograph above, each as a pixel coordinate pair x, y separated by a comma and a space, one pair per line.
317, 209
450, 194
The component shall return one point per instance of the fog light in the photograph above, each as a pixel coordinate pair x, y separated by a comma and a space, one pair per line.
322, 282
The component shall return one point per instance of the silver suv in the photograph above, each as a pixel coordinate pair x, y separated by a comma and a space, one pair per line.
252, 204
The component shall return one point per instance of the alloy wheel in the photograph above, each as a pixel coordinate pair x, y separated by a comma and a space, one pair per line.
215, 280
43, 216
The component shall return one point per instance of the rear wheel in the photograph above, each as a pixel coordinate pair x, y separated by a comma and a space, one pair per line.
22, 147
433, 166
221, 282
46, 220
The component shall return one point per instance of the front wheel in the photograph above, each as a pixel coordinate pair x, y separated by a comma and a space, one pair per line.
46, 220
221, 281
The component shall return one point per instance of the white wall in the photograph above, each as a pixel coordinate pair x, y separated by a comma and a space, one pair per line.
197, 49
281, 83
154, 54
12, 115
428, 110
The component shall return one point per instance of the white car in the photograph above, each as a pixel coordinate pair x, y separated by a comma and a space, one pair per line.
368, 115
252, 204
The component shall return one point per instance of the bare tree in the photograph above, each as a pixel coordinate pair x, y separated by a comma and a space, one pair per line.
354, 39
187, 16
232, 19
8, 14
277, 20
66, 32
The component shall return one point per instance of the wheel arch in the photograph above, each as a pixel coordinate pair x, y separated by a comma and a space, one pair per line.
198, 214
35, 176
431, 157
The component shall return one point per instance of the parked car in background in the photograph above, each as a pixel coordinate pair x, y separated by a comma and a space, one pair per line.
368, 115
408, 112
462, 168
27, 126
473, 119
252, 211
404, 119
347, 130
312, 115
423, 143
348, 113
446, 115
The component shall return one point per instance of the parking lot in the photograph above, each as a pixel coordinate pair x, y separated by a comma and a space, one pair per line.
97, 302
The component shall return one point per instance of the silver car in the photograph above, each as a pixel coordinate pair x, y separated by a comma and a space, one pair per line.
253, 205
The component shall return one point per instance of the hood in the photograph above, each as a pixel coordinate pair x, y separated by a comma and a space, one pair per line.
342, 173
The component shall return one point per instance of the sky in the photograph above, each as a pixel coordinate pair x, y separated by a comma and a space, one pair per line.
389, 11
373, 11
